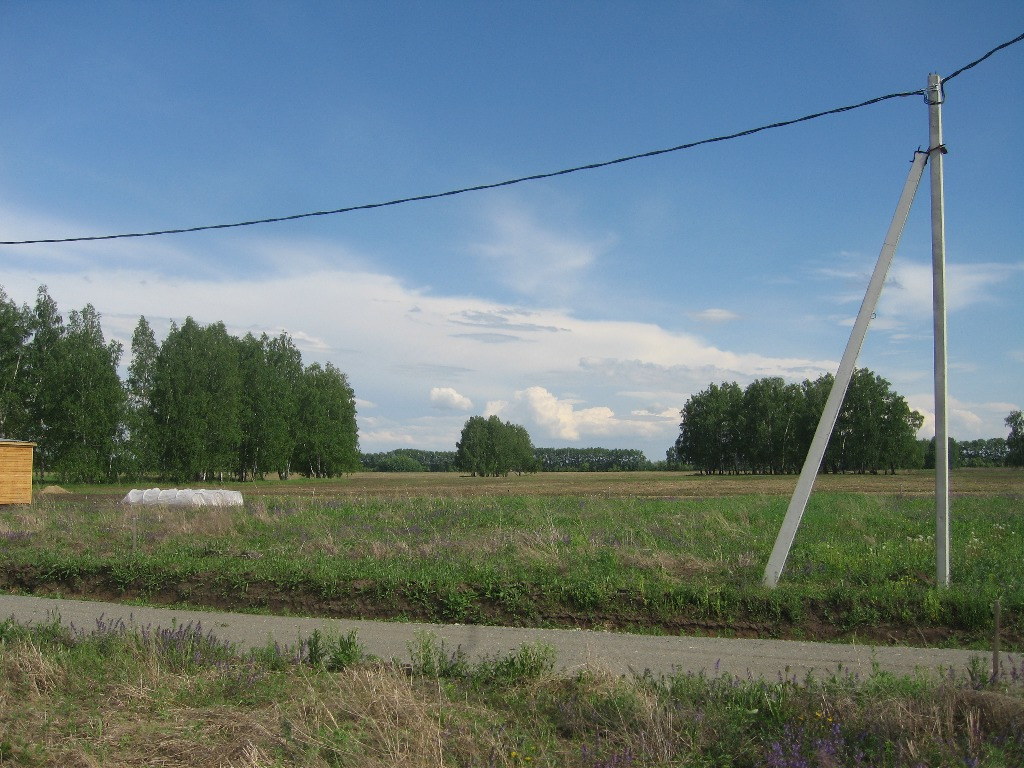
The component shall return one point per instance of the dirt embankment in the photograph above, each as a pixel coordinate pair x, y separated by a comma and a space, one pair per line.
361, 602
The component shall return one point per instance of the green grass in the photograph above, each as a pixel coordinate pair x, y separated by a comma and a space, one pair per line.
179, 697
862, 565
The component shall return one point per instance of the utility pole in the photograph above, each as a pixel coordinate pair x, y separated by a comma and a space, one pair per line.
934, 96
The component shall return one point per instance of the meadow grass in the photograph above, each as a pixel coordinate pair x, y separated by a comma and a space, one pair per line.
177, 696
655, 554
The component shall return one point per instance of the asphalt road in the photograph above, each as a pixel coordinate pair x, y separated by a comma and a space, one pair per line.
618, 653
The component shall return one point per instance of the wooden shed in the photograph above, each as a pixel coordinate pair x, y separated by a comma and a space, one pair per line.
15, 472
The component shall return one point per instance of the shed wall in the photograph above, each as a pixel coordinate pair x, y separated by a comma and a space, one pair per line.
15, 473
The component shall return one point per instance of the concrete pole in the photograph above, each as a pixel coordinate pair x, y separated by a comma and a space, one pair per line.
936, 150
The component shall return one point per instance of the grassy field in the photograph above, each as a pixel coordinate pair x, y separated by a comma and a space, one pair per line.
655, 552
646, 552
178, 697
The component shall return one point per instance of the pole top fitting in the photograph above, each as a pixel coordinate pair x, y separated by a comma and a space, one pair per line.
934, 94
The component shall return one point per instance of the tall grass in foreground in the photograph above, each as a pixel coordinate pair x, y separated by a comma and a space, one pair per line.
179, 697
861, 563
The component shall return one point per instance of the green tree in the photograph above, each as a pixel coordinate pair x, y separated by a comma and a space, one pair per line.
521, 454
285, 361
141, 448
398, 462
593, 460
409, 460
196, 393
43, 377
1015, 440
178, 403
856, 437
815, 396
329, 439
493, 447
471, 449
223, 382
769, 427
900, 426
60, 388
771, 410
710, 432
875, 430
14, 336
983, 453
89, 398
673, 461
498, 451
270, 370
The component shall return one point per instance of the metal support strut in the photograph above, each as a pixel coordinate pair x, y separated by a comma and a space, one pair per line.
812, 463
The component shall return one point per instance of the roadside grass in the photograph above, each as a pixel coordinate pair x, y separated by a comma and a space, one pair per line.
862, 565
117, 695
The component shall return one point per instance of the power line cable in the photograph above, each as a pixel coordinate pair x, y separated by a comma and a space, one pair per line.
510, 182
976, 62
476, 188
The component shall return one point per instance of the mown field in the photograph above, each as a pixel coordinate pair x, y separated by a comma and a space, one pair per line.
644, 552
618, 484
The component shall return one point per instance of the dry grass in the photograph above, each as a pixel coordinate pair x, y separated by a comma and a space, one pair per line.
374, 714
199, 522
370, 716
915, 723
23, 520
130, 709
396, 485
670, 564
29, 675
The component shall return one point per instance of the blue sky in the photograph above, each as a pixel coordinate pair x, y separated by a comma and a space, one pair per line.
587, 307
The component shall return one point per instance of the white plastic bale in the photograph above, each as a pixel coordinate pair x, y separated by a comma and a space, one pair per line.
185, 497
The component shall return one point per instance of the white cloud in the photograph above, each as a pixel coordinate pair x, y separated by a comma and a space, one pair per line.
908, 288
386, 437
547, 416
541, 263
446, 398
713, 315
495, 407
664, 413
967, 420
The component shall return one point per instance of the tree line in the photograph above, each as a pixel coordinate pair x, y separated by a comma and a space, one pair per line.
592, 460
545, 460
201, 405
409, 460
767, 427
991, 452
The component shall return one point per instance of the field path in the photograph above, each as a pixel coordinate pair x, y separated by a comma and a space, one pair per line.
619, 653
